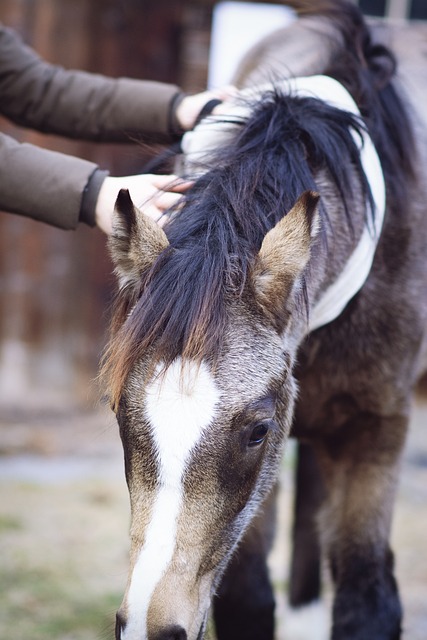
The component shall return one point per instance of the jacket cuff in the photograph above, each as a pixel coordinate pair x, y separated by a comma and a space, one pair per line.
90, 197
175, 128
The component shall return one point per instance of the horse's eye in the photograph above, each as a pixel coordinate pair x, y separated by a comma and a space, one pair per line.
258, 434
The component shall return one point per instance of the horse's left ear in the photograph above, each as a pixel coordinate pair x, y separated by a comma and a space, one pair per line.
135, 243
284, 254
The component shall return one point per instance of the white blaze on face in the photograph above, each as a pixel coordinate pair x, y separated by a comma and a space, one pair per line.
180, 404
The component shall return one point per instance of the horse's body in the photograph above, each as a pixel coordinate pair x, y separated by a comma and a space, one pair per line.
210, 338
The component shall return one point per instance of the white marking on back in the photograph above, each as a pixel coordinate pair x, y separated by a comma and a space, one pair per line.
180, 404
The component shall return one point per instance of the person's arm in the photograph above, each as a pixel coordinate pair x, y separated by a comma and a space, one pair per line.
81, 105
62, 190
41, 184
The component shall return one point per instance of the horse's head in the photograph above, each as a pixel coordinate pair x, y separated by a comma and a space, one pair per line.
202, 434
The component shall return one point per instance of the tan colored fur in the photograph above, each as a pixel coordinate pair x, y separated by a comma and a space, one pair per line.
135, 251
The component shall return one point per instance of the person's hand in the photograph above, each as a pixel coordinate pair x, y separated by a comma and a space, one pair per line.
214, 132
190, 106
152, 194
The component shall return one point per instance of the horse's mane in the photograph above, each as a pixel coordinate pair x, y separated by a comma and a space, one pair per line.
367, 69
214, 236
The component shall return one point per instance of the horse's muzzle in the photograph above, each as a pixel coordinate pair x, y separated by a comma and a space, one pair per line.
171, 633
201, 633
119, 626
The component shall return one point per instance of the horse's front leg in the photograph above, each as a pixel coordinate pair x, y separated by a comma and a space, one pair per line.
360, 464
244, 606
305, 569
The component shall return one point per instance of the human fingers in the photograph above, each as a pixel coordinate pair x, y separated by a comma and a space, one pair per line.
162, 220
151, 210
226, 93
169, 182
166, 199
157, 205
191, 107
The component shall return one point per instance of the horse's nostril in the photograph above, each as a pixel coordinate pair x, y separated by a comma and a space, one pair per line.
172, 633
120, 624
201, 633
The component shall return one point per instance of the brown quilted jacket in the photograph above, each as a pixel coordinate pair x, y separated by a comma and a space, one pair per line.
47, 185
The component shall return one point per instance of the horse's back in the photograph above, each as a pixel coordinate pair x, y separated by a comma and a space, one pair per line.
409, 44
307, 46
303, 48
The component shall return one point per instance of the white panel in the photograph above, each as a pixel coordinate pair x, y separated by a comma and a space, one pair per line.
236, 26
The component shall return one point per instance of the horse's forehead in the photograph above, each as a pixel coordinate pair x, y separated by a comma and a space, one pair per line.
250, 364
192, 394
195, 392
180, 402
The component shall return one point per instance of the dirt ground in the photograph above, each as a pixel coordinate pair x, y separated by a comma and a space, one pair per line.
64, 526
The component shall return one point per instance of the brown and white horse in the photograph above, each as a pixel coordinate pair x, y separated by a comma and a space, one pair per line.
222, 316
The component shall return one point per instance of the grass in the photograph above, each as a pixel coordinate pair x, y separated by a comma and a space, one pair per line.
63, 560
10, 523
41, 605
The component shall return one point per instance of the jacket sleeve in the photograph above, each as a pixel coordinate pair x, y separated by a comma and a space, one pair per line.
45, 185
76, 104
49, 186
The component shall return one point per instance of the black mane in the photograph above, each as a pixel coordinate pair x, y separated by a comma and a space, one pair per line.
216, 233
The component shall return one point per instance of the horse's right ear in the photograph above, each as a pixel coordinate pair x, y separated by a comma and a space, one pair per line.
135, 243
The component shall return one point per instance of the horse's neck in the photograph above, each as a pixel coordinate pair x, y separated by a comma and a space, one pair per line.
340, 267
330, 274
342, 256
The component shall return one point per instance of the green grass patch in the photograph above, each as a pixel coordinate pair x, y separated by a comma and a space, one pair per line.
10, 523
40, 606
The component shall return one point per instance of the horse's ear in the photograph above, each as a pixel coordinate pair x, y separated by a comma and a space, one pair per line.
136, 241
284, 254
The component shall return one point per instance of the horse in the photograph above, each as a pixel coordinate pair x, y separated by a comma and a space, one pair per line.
223, 344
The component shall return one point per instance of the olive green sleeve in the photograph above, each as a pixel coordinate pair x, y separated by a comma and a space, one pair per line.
43, 185
76, 104
49, 186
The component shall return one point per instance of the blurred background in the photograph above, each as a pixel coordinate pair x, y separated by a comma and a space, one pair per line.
63, 500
